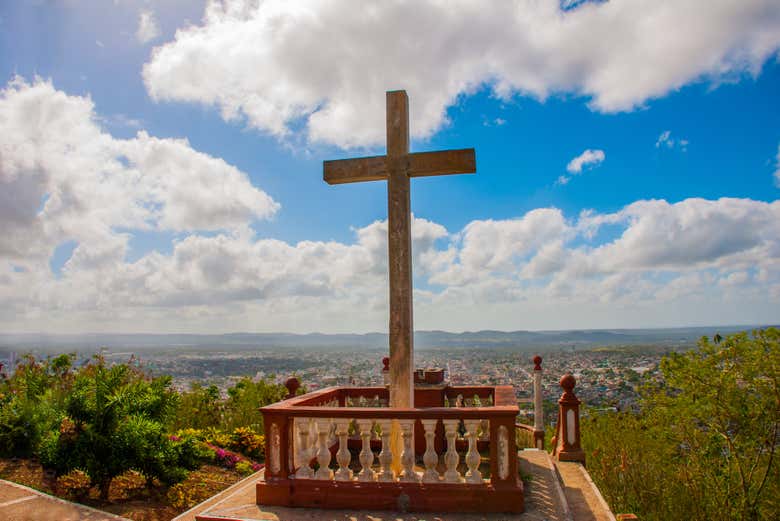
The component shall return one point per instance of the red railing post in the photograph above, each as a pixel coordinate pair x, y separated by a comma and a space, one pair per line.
277, 459
503, 452
568, 440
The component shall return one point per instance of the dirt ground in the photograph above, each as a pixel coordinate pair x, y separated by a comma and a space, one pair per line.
129, 497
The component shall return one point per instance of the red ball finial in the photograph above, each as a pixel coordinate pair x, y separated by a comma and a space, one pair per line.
568, 382
537, 363
386, 363
292, 385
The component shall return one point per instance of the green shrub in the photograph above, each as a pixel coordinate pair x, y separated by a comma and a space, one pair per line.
244, 467
248, 442
31, 403
75, 484
189, 493
198, 408
704, 445
129, 484
216, 437
190, 452
244, 400
118, 416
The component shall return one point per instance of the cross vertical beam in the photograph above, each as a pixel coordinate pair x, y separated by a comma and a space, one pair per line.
397, 167
399, 249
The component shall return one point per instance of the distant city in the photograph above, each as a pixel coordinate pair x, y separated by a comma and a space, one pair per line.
610, 365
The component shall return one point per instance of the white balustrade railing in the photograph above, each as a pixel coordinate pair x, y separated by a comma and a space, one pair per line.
315, 437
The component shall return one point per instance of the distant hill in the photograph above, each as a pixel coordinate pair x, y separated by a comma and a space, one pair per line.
541, 340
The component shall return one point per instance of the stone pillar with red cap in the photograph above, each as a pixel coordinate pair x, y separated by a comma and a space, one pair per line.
568, 446
538, 407
386, 370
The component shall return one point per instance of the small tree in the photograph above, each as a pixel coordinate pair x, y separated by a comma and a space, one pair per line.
244, 400
199, 408
31, 402
114, 423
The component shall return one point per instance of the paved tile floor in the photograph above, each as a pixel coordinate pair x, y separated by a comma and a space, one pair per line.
544, 502
20, 503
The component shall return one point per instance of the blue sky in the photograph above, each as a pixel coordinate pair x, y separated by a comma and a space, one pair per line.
687, 121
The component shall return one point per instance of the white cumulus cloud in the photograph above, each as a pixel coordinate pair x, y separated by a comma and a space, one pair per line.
148, 28
324, 66
62, 177
670, 264
65, 180
589, 158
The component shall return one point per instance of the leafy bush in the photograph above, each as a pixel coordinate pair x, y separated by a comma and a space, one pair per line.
226, 458
244, 400
190, 452
31, 403
186, 495
74, 484
129, 484
248, 442
198, 408
244, 468
704, 445
216, 437
115, 423
104, 420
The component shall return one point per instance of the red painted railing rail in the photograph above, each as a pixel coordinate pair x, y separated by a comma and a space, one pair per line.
305, 433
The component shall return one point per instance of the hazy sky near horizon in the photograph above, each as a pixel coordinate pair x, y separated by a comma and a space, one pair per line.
161, 164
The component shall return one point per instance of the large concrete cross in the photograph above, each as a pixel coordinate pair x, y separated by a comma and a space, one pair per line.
397, 167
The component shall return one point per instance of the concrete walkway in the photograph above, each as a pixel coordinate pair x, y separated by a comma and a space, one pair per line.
544, 502
20, 503
582, 495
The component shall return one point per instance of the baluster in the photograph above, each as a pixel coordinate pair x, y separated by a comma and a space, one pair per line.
362, 402
386, 456
451, 457
472, 456
484, 435
304, 455
407, 456
503, 453
366, 456
343, 456
323, 454
430, 458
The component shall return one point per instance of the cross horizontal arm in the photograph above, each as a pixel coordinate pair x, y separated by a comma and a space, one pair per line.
419, 164
461, 161
354, 170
